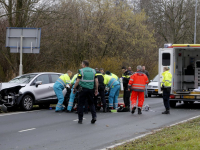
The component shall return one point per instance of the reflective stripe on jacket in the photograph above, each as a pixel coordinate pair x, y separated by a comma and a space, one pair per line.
110, 81
138, 81
126, 77
167, 79
64, 79
100, 78
87, 75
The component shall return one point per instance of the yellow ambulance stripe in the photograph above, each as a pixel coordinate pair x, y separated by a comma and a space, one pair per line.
186, 45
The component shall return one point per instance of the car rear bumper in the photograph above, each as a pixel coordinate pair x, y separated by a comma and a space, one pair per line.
152, 91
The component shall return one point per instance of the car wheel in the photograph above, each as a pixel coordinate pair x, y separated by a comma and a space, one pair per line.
44, 106
27, 103
172, 104
149, 95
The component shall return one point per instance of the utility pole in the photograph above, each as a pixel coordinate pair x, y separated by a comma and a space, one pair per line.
195, 26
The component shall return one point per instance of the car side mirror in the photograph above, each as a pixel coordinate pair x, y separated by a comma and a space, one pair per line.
38, 83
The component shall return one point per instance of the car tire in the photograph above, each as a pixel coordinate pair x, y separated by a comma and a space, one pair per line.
172, 104
27, 103
149, 95
44, 106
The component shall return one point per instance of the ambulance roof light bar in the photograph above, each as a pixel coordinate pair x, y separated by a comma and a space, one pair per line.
168, 45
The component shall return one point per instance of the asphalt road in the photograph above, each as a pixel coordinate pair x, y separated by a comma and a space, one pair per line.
47, 130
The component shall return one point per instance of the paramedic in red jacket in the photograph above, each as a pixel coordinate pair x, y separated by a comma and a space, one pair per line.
137, 84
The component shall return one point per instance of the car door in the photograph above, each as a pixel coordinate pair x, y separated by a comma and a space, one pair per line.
43, 91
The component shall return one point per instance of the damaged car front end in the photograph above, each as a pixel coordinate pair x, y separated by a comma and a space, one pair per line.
10, 94
30, 89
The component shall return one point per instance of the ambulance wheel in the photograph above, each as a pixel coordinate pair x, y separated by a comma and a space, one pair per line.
188, 102
191, 102
172, 104
149, 95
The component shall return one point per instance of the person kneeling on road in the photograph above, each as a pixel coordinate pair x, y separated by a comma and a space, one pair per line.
59, 86
114, 86
137, 84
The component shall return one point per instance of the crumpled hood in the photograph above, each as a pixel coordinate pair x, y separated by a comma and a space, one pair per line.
10, 85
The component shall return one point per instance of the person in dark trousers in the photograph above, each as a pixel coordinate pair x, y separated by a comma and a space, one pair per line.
86, 80
166, 88
126, 76
101, 89
147, 74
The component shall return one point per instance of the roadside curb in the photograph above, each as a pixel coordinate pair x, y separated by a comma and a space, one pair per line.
143, 135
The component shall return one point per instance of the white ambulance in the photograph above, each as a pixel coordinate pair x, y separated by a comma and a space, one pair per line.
184, 63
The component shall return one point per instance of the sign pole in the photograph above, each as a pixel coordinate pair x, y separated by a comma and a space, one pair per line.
195, 26
21, 66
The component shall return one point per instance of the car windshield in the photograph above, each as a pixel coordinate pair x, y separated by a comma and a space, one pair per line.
155, 79
23, 78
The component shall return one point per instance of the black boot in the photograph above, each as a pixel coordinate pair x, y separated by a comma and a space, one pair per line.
166, 112
133, 110
109, 109
139, 111
93, 120
80, 122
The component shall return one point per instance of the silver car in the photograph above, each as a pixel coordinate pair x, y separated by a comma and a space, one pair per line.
30, 89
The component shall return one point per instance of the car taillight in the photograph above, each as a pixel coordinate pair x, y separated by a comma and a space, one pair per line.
172, 97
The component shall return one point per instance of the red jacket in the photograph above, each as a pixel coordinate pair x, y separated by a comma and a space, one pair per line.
138, 81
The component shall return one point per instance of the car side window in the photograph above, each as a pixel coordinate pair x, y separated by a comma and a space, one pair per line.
44, 78
54, 77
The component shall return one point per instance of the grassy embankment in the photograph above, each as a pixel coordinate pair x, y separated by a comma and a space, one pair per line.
185, 136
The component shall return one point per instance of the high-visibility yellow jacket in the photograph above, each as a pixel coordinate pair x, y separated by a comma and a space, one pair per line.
74, 78
114, 76
110, 81
167, 79
64, 79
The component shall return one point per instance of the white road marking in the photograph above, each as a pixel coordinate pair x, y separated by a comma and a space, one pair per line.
8, 114
143, 135
77, 119
27, 130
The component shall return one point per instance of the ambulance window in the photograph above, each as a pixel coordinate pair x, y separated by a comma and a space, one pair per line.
166, 59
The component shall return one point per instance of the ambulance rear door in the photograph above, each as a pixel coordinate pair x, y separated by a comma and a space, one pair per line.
166, 59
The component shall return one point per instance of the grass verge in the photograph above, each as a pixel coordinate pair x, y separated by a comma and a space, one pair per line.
185, 136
